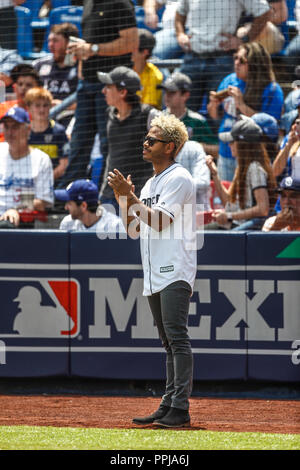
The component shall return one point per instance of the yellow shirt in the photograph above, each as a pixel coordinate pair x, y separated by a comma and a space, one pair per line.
150, 77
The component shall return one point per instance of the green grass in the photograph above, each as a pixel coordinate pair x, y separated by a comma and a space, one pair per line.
51, 438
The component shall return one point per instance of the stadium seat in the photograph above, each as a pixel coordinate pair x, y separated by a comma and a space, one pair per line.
60, 3
205, 217
34, 8
35, 5
24, 32
140, 18
63, 14
215, 202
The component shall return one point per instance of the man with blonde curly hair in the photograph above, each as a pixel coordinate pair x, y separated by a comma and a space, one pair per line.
164, 218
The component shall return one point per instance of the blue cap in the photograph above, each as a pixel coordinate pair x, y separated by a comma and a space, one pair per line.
290, 183
18, 114
79, 191
245, 130
268, 124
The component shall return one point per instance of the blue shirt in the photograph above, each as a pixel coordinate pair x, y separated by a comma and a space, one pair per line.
53, 141
271, 103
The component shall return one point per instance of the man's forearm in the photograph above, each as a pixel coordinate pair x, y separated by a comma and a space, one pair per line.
40, 205
179, 23
258, 25
125, 44
151, 5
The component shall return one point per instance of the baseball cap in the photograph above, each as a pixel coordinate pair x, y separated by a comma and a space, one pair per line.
17, 114
245, 130
177, 81
79, 191
290, 183
146, 39
268, 124
123, 77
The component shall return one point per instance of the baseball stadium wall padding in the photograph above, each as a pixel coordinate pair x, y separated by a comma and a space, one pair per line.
72, 305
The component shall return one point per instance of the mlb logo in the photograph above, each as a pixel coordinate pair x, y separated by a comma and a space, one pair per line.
39, 308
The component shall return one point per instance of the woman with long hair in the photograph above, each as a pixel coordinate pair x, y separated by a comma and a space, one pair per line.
252, 88
251, 196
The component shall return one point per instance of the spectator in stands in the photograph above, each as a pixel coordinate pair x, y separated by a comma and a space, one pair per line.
46, 134
270, 128
270, 37
8, 23
208, 49
8, 59
287, 162
166, 47
193, 158
149, 74
26, 175
288, 219
176, 94
292, 51
23, 78
251, 195
250, 89
201, 140
85, 212
58, 75
109, 40
127, 125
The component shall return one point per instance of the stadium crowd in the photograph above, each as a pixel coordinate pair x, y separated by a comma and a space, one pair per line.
226, 68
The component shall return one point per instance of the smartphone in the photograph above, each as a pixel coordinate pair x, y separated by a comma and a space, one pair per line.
70, 59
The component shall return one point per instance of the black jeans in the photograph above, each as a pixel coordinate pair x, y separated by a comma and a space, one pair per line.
170, 308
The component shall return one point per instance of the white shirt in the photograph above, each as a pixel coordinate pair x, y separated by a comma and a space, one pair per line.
170, 255
192, 158
168, 16
108, 223
208, 19
297, 14
6, 4
24, 179
295, 161
256, 178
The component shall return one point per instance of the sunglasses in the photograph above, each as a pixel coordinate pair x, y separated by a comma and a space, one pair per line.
241, 60
152, 140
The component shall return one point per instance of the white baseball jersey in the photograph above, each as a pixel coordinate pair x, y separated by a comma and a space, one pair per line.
108, 223
169, 255
30, 175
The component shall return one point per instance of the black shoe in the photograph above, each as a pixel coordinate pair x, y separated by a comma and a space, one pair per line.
160, 413
175, 418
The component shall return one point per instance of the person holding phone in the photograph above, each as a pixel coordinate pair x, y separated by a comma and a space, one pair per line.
287, 162
252, 88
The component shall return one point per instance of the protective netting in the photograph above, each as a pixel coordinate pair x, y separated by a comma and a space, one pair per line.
229, 69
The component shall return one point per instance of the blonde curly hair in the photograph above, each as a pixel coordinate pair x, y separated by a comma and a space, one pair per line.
171, 129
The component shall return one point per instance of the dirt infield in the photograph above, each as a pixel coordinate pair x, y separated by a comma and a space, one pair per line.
211, 414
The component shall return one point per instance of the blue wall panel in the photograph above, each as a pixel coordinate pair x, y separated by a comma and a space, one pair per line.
116, 317
34, 325
273, 275
244, 319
